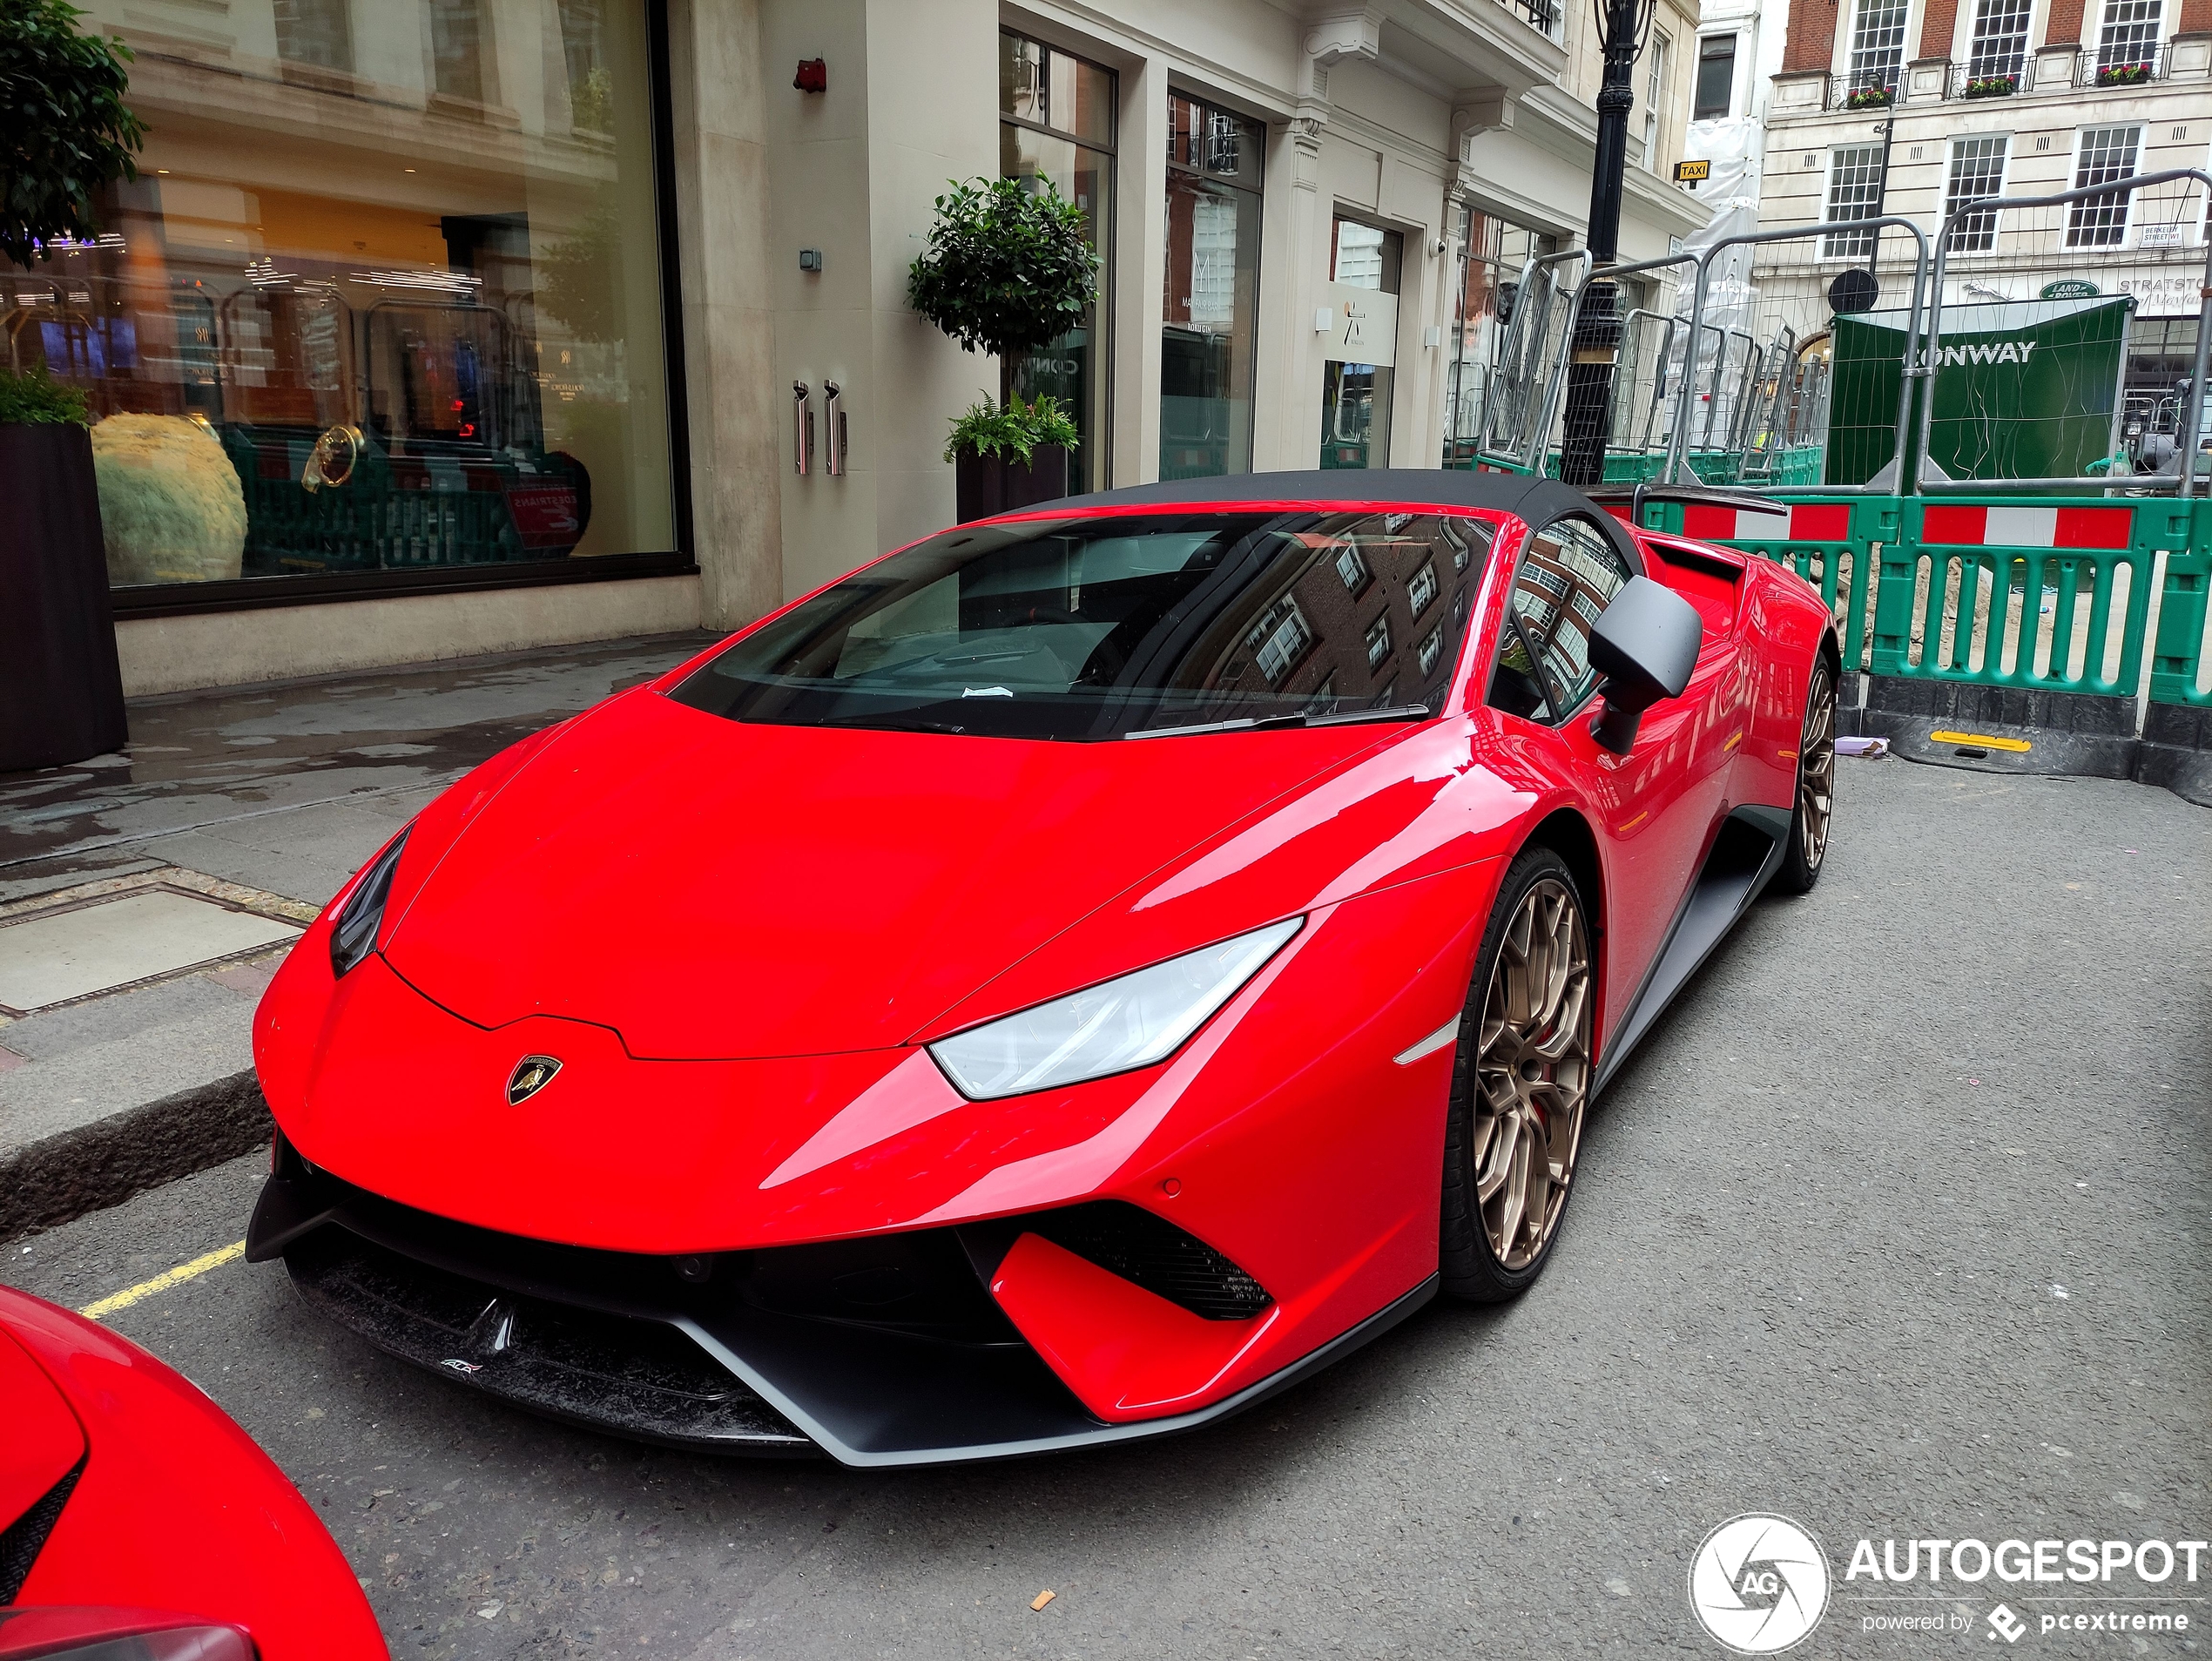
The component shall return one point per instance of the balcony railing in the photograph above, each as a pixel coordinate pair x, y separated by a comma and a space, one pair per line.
1547, 17
1986, 79
2105, 66
1866, 89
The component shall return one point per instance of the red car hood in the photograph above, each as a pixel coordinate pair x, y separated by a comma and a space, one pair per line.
713, 889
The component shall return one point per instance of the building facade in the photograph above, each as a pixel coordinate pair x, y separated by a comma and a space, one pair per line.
437, 327
1921, 107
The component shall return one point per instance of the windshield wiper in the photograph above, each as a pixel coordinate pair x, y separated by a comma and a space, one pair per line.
1269, 723
890, 724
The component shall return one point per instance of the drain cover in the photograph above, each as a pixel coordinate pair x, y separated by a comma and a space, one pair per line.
51, 957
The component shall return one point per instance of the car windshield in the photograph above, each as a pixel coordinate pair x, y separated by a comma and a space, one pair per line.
1115, 626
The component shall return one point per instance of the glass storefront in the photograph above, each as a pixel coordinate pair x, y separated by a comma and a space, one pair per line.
1057, 116
386, 297
1211, 298
1357, 377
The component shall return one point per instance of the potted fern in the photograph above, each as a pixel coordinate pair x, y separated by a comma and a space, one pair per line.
64, 134
1009, 456
1005, 270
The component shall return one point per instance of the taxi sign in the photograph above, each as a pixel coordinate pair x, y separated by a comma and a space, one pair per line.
1687, 171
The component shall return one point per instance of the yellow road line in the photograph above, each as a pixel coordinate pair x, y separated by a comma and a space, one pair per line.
177, 1276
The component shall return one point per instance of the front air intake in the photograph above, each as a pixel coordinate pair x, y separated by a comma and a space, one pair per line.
1153, 1253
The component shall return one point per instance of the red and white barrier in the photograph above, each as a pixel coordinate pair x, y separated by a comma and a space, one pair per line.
1802, 522
1955, 524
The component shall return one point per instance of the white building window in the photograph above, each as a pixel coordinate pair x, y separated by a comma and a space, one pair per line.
2000, 51
2103, 155
1280, 639
1977, 172
1878, 43
1422, 589
2130, 34
1378, 641
1716, 77
1854, 193
1352, 568
1655, 93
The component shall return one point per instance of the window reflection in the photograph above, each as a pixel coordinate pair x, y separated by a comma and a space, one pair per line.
1211, 302
375, 242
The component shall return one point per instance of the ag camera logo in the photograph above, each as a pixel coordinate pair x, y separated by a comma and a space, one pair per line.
1759, 1583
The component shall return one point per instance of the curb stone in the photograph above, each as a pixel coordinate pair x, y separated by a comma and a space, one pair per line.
93, 1166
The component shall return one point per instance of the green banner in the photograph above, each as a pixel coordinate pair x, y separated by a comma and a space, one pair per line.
2025, 389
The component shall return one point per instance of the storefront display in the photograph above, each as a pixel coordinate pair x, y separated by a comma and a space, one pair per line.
386, 297
1211, 300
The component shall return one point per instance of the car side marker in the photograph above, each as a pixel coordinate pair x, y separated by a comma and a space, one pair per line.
1439, 1039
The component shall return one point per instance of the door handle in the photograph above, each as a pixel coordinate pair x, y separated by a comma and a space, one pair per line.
802, 428
832, 429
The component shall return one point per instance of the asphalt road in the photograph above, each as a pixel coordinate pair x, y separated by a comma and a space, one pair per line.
1815, 1266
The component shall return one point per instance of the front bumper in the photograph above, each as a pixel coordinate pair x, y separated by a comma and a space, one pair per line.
888, 1349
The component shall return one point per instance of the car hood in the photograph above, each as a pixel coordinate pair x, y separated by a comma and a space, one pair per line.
715, 890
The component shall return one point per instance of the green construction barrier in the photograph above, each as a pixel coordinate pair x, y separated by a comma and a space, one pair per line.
2001, 600
2177, 654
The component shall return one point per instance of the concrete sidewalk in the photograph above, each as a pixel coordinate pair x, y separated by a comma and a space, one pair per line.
147, 897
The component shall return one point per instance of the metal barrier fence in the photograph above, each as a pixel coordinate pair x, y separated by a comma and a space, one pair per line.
2134, 232
1843, 388
1790, 305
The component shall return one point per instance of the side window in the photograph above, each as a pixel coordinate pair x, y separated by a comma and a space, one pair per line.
1569, 574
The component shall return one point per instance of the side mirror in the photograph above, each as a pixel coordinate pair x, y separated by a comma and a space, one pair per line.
1645, 644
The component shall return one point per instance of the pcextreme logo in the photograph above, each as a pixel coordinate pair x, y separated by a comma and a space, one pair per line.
1759, 1583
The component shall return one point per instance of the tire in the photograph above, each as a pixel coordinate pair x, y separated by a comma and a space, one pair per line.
1493, 1240
1813, 815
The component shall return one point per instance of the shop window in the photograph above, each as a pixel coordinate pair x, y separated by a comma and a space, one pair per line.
1057, 120
311, 356
1211, 302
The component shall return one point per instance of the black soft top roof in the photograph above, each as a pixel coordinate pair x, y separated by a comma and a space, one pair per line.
1539, 501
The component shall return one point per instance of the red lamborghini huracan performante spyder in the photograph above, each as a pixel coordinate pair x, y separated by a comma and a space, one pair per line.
1059, 983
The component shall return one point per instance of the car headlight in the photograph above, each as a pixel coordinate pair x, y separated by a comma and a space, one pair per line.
353, 935
1114, 1028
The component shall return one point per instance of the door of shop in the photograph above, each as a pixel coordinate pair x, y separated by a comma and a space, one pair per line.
1361, 300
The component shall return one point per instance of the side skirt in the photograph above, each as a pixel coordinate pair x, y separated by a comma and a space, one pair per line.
1744, 857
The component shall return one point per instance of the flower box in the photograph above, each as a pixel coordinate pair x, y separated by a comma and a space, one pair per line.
1870, 98
2122, 74
1993, 86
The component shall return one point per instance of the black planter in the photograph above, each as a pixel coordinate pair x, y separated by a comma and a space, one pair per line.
988, 484
61, 688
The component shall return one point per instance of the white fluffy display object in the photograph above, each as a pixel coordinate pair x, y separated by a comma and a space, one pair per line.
171, 508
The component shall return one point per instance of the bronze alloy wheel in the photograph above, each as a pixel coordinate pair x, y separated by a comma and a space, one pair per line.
1532, 1074
1816, 771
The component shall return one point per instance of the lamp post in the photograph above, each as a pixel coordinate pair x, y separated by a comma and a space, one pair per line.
1623, 26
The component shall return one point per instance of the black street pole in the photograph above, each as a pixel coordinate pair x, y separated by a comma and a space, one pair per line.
1622, 25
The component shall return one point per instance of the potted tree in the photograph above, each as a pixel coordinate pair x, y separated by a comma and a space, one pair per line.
1007, 269
64, 133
